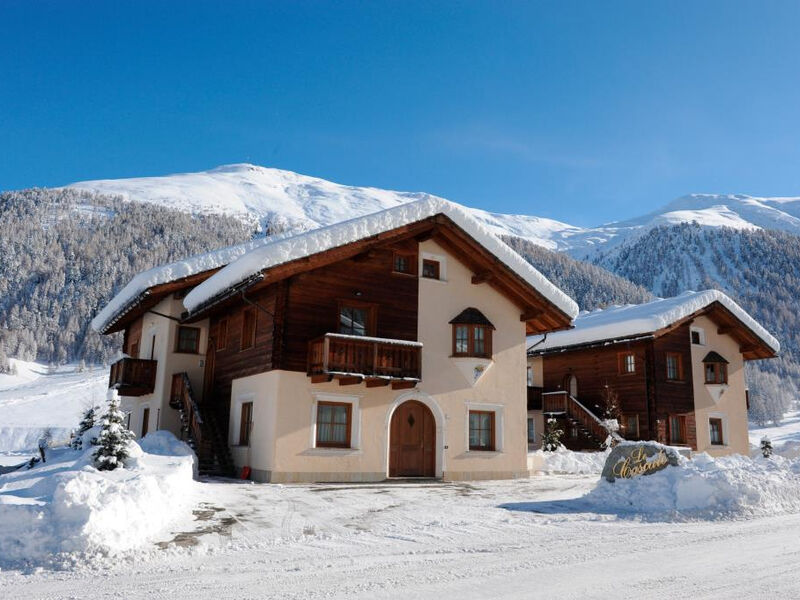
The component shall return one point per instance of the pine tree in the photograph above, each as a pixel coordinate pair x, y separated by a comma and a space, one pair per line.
114, 437
87, 422
551, 440
766, 447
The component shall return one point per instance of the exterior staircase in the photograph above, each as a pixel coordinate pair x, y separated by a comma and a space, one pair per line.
201, 431
592, 432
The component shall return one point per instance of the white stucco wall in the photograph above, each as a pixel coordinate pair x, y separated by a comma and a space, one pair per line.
726, 402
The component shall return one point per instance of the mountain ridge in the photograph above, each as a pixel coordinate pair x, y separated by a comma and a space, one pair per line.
276, 199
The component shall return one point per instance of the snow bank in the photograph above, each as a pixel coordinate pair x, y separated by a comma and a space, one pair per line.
704, 487
567, 462
621, 322
67, 506
282, 249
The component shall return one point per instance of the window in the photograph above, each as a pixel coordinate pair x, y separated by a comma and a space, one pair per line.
531, 431
674, 366
472, 340
430, 268
248, 328
481, 430
631, 425
530, 376
188, 340
246, 423
715, 431
627, 363
698, 337
356, 319
222, 334
716, 373
145, 421
677, 429
403, 262
333, 424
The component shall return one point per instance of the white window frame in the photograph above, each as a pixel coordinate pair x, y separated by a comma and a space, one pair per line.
355, 422
529, 376
531, 418
725, 439
702, 333
236, 421
499, 426
441, 259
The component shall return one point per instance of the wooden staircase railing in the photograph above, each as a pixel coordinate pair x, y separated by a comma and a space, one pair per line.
203, 435
563, 403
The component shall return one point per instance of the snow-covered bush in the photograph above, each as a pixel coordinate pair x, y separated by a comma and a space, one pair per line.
551, 439
114, 439
766, 447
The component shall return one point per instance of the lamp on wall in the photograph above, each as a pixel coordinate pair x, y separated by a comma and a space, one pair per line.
358, 293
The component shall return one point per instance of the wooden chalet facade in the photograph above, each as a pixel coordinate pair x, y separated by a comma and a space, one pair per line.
398, 353
679, 383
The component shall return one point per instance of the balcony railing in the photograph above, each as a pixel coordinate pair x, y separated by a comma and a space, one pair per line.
367, 357
133, 376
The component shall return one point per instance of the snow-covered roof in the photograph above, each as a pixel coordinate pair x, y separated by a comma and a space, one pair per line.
634, 320
281, 250
128, 296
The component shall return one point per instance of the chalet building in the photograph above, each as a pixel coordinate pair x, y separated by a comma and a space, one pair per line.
675, 367
391, 345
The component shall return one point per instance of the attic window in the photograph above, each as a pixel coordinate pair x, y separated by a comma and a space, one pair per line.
472, 334
715, 368
404, 262
698, 336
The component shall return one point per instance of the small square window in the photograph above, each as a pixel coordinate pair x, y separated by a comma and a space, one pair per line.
188, 340
403, 263
333, 424
430, 268
698, 337
481, 430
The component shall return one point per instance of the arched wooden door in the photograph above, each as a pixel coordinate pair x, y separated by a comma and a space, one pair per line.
571, 385
412, 441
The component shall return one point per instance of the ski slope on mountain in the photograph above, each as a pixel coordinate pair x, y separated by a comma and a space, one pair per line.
38, 398
275, 199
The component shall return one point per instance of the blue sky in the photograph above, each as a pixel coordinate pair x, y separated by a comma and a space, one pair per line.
585, 112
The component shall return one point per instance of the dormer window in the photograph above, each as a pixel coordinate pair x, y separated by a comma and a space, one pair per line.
715, 368
472, 334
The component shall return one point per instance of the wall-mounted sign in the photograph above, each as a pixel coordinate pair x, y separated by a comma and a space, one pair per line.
642, 458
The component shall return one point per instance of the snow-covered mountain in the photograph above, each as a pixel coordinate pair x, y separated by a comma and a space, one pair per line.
278, 199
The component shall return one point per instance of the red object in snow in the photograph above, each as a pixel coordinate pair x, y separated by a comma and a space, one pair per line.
245, 472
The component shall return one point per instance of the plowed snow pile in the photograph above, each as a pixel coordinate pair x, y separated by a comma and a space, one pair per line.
706, 488
66, 505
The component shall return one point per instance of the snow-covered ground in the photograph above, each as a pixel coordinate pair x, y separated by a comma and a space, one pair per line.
35, 399
540, 537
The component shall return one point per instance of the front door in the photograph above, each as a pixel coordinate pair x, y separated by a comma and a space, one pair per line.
412, 441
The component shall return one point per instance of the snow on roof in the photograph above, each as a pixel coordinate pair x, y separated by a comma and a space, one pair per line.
127, 296
281, 250
623, 322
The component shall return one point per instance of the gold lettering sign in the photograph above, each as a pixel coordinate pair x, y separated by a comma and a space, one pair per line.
637, 463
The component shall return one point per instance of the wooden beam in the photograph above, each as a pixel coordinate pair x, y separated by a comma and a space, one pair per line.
348, 380
403, 385
364, 256
723, 330
531, 315
483, 277
321, 378
377, 382
747, 349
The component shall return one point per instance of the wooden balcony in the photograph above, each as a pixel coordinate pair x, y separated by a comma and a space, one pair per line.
133, 376
353, 359
534, 398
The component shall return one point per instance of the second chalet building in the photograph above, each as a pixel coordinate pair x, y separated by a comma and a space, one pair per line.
674, 366
391, 345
